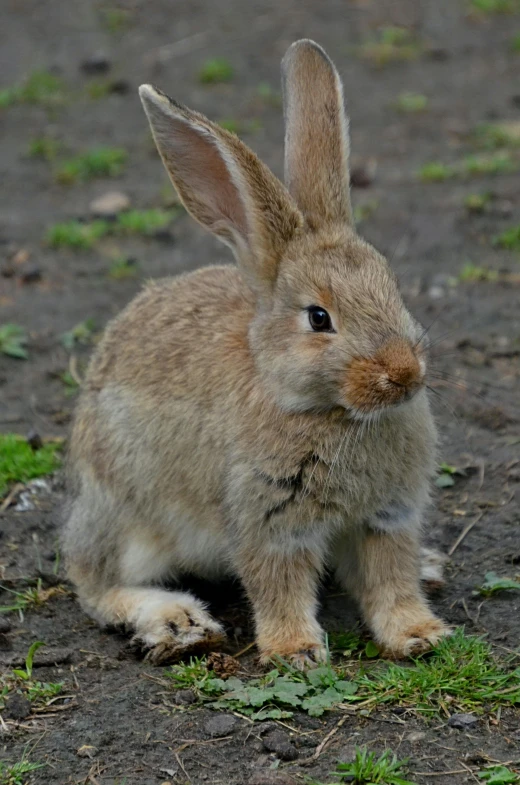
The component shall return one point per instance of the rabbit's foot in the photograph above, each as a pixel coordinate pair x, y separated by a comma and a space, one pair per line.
405, 639
308, 656
176, 626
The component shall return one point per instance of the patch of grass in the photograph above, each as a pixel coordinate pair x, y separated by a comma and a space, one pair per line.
391, 45
509, 239
269, 95
436, 172
123, 267
499, 775
462, 667
471, 166
76, 235
15, 773
215, 71
82, 236
411, 103
362, 212
13, 339
40, 87
82, 333
115, 19
45, 147
98, 162
477, 203
489, 7
368, 768
99, 88
21, 681
500, 163
494, 136
142, 221
20, 463
493, 583
472, 273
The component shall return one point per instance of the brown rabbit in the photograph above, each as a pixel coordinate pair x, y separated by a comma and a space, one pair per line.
267, 420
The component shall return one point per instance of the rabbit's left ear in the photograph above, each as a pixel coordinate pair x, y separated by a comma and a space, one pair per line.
316, 136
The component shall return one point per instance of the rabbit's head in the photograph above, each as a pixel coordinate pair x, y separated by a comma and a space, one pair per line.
330, 327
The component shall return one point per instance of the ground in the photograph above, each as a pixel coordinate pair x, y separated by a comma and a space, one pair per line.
453, 275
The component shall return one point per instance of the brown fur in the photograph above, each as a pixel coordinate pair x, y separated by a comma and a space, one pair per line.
218, 433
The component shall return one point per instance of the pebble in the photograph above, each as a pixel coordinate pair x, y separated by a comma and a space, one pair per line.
462, 721
221, 725
185, 697
110, 204
278, 741
34, 440
436, 293
17, 707
98, 63
30, 274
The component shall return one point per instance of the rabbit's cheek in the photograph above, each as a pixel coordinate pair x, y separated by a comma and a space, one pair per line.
396, 517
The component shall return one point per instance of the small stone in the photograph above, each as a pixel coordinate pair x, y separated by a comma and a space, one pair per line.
110, 204
98, 63
184, 697
347, 753
17, 707
86, 751
462, 721
413, 738
221, 725
278, 742
34, 440
5, 624
30, 274
436, 293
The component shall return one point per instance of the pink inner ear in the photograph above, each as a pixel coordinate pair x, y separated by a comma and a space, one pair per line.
203, 178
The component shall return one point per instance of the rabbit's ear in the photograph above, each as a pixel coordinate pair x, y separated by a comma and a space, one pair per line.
224, 186
316, 135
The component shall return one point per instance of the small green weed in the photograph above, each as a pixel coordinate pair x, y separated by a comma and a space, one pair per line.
45, 147
411, 103
115, 19
493, 136
436, 172
477, 203
82, 333
463, 667
40, 87
391, 45
82, 236
98, 162
495, 6
15, 773
19, 462
76, 235
216, 71
471, 273
13, 339
445, 478
493, 583
499, 775
142, 221
369, 769
509, 239
515, 43
269, 95
71, 384
123, 267
21, 681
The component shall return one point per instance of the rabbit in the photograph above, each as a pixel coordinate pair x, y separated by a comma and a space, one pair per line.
268, 420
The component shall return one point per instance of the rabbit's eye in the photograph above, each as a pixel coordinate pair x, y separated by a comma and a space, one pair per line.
319, 319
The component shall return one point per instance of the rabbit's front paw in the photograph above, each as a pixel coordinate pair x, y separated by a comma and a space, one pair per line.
414, 639
176, 627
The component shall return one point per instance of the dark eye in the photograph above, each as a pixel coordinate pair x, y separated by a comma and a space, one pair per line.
319, 319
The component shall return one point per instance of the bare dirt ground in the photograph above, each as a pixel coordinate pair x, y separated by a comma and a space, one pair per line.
467, 69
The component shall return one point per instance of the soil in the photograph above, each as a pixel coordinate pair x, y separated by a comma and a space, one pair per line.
120, 724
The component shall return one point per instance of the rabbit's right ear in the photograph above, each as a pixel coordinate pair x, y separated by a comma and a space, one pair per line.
316, 136
224, 186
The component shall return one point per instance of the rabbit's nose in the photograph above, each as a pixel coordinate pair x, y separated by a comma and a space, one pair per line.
401, 365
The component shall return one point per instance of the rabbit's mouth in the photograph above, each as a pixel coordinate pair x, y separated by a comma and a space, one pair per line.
393, 376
